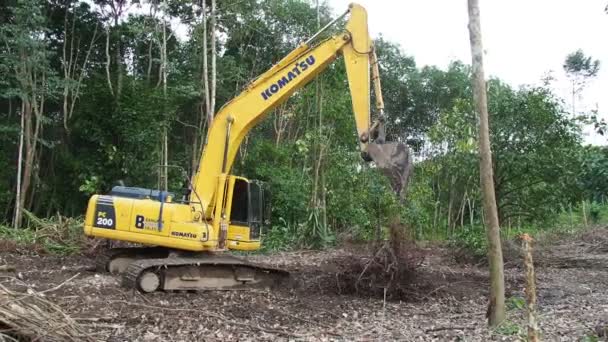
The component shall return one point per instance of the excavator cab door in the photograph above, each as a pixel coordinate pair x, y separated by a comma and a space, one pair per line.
246, 212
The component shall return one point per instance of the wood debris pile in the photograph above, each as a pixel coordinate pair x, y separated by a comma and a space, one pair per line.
31, 317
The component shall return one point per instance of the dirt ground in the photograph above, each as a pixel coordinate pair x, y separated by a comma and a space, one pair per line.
447, 303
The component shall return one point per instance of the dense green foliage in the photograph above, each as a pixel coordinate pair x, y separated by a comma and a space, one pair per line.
305, 150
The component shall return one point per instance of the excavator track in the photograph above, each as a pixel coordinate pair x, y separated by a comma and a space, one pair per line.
116, 260
200, 272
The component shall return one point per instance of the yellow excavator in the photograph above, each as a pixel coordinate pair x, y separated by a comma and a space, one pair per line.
224, 212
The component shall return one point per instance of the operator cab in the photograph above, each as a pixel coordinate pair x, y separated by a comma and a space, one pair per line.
249, 211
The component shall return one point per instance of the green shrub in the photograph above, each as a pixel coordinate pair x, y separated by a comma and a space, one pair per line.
471, 239
279, 237
595, 212
516, 303
55, 235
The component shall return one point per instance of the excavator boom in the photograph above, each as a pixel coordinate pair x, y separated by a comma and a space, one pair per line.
276, 85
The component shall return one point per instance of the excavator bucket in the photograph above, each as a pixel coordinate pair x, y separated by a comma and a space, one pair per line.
394, 160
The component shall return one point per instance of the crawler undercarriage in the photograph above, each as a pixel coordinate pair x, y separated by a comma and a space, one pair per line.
153, 269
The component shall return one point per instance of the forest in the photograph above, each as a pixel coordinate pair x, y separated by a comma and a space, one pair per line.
106, 93
100, 93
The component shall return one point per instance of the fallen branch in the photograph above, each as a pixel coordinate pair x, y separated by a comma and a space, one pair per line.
31, 317
92, 319
7, 268
447, 328
60, 285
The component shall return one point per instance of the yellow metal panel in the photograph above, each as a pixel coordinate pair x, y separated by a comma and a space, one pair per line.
123, 208
357, 57
357, 67
238, 233
238, 239
145, 214
190, 231
181, 212
244, 245
357, 27
90, 215
155, 240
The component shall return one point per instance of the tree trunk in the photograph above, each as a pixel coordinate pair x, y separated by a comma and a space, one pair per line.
573, 99
118, 57
317, 200
149, 70
29, 160
496, 307
108, 61
205, 74
67, 67
213, 60
533, 330
18, 213
165, 155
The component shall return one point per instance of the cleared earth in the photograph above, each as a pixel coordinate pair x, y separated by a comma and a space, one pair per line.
447, 300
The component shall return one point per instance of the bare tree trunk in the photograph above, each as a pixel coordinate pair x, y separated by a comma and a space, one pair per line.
73, 73
149, 69
462, 204
573, 99
318, 196
165, 159
213, 59
165, 156
18, 213
496, 307
35, 180
66, 66
281, 120
584, 209
28, 162
118, 57
205, 75
199, 141
108, 61
208, 89
530, 289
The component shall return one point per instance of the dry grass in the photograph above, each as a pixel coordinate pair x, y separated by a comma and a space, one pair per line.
55, 235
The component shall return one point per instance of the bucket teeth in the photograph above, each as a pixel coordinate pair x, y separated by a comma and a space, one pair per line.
394, 160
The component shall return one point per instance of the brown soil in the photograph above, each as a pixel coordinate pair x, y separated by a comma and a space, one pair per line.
446, 301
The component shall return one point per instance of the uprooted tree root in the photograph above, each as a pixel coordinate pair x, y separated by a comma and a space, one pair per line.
386, 268
30, 317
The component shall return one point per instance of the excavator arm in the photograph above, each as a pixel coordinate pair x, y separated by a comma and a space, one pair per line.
275, 86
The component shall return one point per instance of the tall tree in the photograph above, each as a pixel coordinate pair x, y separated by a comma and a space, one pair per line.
496, 306
113, 11
580, 69
319, 213
209, 86
26, 53
74, 60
